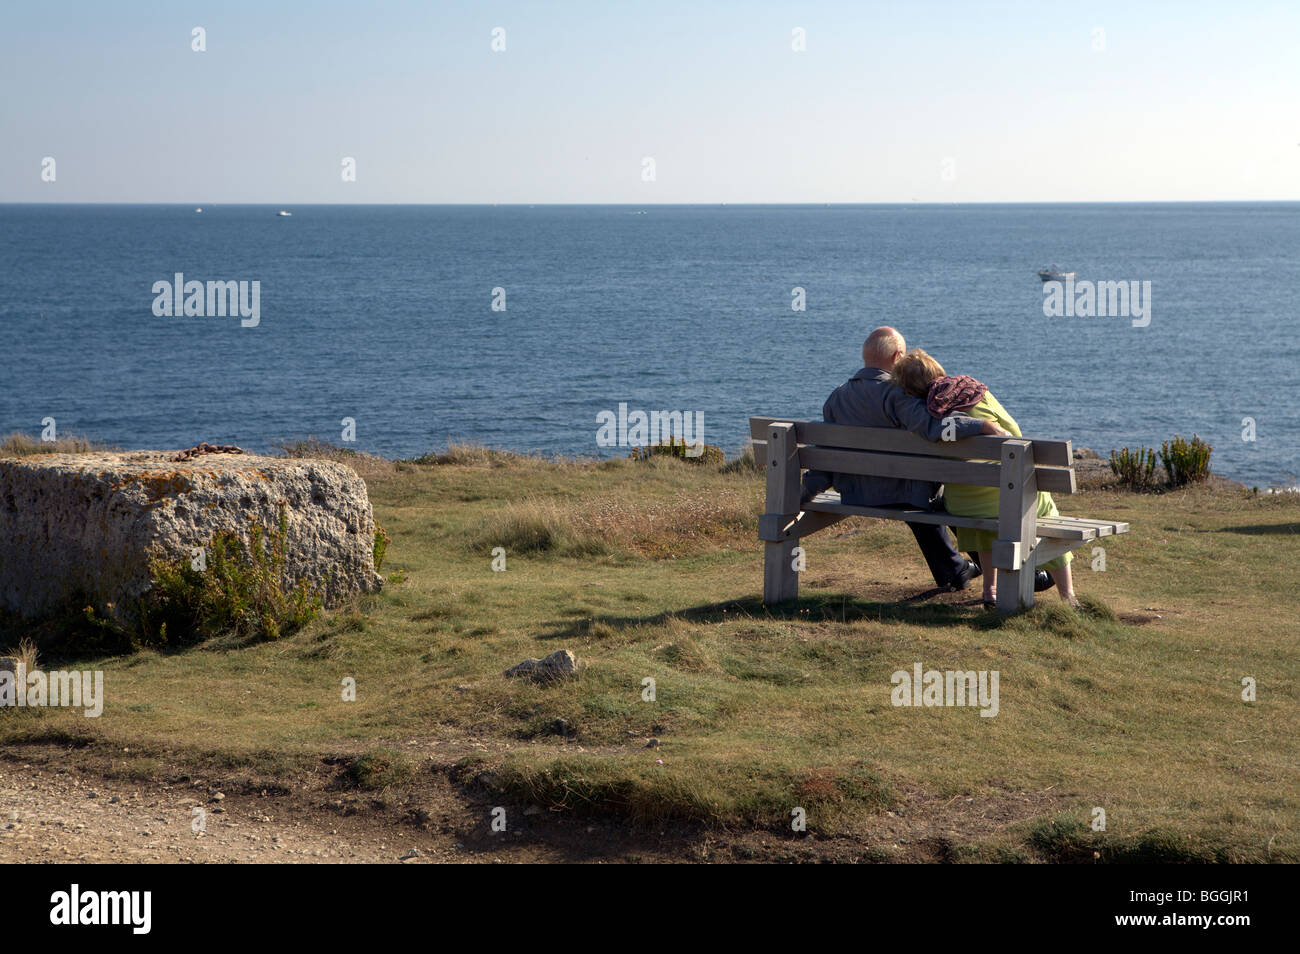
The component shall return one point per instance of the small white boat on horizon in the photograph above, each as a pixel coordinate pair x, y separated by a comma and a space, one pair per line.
1054, 274
198, 210
282, 212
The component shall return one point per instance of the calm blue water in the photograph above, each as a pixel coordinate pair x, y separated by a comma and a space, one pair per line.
383, 314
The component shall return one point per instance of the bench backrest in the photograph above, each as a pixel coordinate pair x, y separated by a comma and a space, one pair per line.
893, 452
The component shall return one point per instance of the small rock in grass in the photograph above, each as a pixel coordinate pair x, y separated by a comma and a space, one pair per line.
558, 665
562, 728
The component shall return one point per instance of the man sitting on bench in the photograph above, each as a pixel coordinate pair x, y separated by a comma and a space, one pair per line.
871, 399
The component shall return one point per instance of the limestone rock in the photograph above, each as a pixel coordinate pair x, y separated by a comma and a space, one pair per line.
80, 529
558, 665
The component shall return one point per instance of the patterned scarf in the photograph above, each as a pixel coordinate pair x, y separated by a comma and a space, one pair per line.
952, 394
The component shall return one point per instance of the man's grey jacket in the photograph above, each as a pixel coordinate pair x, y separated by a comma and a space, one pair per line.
871, 399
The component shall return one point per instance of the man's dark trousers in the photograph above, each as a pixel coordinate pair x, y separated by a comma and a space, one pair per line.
936, 545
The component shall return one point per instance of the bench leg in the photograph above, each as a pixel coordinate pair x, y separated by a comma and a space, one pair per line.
780, 579
1013, 553
1015, 589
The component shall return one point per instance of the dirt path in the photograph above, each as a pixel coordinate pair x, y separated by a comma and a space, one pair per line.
49, 815
53, 814
59, 807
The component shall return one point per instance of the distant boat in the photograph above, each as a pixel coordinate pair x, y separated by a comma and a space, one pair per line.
282, 212
198, 210
1054, 274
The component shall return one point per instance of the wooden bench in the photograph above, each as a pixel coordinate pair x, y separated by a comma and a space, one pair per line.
1020, 467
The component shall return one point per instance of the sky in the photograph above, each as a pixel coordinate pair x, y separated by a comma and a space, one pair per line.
887, 102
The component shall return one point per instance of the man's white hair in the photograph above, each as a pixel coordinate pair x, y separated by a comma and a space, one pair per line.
881, 345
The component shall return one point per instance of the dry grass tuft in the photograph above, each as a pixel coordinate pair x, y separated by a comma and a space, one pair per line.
18, 444
687, 523
368, 466
537, 526
474, 454
26, 654
745, 464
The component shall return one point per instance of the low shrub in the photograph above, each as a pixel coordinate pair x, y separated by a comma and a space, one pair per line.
382, 540
241, 592
1186, 462
1135, 469
696, 453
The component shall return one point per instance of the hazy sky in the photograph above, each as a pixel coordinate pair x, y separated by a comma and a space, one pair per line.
890, 102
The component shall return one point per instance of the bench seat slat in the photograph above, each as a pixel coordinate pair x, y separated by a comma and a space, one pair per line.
1051, 528
1050, 453
830, 503
1051, 523
1066, 529
1109, 526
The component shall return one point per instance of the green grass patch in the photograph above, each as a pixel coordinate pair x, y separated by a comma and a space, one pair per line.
379, 768
652, 571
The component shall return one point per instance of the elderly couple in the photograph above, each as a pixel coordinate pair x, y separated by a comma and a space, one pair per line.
909, 389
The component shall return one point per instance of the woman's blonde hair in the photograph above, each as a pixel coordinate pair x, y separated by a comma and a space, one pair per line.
916, 371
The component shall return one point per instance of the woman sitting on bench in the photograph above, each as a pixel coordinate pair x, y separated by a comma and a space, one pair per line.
921, 376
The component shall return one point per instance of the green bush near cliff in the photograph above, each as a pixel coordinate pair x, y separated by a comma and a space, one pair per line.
1186, 462
239, 593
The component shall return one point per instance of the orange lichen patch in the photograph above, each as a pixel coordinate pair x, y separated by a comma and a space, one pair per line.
158, 485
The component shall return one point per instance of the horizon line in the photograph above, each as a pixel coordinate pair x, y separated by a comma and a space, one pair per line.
680, 204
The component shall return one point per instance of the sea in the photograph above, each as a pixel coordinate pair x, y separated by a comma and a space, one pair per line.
398, 329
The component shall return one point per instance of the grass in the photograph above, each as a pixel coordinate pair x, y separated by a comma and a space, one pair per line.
652, 570
379, 769
368, 466
18, 444
470, 454
25, 653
